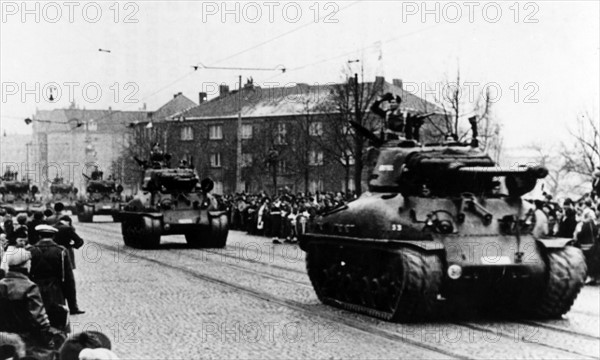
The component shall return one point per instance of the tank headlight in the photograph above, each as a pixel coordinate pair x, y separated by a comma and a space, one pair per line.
166, 204
454, 271
445, 227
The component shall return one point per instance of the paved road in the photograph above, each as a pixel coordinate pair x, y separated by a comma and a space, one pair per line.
254, 300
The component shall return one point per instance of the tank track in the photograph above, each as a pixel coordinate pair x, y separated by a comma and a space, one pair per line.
398, 285
567, 272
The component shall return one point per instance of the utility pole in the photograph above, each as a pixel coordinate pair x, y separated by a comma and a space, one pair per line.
358, 142
238, 155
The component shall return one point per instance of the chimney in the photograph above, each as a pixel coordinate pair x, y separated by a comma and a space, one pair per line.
398, 83
379, 82
223, 90
202, 97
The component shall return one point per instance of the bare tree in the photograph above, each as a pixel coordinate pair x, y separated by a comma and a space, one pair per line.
458, 103
350, 101
302, 141
552, 160
138, 143
583, 153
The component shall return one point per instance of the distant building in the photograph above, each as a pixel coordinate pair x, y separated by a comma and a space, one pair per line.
70, 141
287, 139
13, 150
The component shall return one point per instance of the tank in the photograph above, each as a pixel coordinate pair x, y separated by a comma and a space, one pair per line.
440, 227
102, 197
18, 196
173, 201
61, 192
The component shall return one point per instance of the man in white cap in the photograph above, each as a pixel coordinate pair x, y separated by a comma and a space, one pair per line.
51, 271
21, 308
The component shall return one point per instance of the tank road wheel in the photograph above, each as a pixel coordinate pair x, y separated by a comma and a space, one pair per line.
128, 238
396, 286
86, 215
566, 271
421, 285
215, 236
142, 232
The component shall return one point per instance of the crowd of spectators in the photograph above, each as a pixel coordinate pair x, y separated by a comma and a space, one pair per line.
36, 284
284, 216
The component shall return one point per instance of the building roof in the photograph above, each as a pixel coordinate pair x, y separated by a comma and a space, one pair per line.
287, 101
61, 120
179, 104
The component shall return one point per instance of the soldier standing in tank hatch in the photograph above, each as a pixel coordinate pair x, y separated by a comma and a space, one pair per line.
397, 120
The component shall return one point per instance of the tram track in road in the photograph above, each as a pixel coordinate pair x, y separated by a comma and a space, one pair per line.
304, 308
236, 259
354, 323
233, 257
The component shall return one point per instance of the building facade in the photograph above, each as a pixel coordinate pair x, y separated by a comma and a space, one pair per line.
291, 137
71, 142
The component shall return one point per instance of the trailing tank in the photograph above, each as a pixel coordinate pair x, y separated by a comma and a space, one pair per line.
66, 194
173, 201
102, 197
440, 224
18, 196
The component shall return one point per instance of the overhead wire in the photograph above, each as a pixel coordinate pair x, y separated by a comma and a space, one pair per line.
375, 44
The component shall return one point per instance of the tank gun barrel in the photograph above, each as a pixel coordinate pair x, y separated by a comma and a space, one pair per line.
141, 163
364, 132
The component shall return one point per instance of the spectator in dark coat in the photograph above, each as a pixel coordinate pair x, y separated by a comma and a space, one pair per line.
22, 310
568, 223
67, 237
51, 271
38, 219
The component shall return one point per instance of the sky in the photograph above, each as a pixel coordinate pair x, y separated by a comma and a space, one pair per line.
543, 57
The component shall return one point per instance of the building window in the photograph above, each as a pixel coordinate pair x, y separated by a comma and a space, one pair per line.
218, 189
350, 185
315, 158
315, 185
315, 128
246, 159
280, 134
282, 167
187, 133
347, 129
348, 159
246, 131
215, 160
215, 132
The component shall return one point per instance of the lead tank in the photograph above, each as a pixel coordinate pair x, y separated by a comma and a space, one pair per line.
436, 228
173, 201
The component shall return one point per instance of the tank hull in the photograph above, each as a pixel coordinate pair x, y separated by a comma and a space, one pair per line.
202, 228
385, 256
